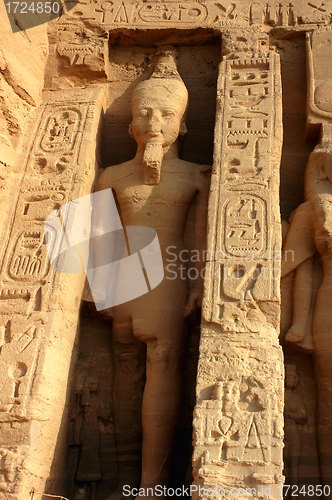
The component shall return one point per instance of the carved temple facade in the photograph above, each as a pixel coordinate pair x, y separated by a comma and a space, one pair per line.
260, 113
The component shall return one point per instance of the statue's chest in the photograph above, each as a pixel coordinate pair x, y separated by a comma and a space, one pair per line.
169, 192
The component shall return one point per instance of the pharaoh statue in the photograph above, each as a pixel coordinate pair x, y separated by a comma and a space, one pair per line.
310, 232
295, 415
155, 189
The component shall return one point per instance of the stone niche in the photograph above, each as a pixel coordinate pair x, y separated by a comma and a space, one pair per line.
256, 347
129, 63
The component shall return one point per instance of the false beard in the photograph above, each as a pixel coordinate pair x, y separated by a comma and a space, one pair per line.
152, 159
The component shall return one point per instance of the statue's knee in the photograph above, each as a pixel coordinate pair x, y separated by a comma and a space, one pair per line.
324, 243
161, 359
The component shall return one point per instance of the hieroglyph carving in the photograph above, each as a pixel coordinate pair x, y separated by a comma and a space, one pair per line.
190, 14
20, 344
50, 169
239, 424
244, 262
176, 11
83, 50
59, 166
239, 429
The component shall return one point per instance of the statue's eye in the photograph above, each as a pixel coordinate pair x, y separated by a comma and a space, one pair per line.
142, 113
168, 112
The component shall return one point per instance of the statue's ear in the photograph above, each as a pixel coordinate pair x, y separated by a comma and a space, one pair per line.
183, 128
130, 130
322, 172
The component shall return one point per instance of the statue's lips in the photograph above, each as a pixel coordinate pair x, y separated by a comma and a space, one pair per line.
153, 135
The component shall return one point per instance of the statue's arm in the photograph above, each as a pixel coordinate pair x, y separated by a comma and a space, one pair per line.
318, 175
201, 204
299, 243
106, 179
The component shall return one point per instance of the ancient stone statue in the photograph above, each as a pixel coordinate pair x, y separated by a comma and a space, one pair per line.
295, 414
155, 189
311, 231
302, 260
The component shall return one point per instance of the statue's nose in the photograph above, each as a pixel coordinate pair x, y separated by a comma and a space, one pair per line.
154, 124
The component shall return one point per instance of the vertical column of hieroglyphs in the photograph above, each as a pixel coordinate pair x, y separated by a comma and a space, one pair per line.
238, 422
39, 308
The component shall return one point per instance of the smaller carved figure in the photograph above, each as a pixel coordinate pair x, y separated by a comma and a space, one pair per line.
8, 465
89, 469
295, 414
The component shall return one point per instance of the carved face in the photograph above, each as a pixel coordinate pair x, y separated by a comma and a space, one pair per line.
158, 114
290, 381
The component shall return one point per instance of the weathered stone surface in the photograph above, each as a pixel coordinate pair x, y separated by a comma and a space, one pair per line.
240, 371
22, 69
40, 307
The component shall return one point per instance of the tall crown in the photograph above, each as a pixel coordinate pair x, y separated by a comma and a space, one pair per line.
165, 68
165, 63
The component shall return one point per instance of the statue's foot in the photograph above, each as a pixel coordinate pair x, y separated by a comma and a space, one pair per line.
295, 334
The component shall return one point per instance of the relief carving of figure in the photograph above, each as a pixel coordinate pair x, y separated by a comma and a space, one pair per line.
295, 414
89, 468
155, 189
311, 232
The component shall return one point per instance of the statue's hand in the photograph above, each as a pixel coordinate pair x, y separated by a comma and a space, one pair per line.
295, 334
194, 301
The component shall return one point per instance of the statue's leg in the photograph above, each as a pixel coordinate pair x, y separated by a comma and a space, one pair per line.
302, 293
161, 400
129, 378
322, 340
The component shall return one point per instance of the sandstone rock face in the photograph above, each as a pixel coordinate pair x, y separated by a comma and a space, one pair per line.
22, 67
228, 105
